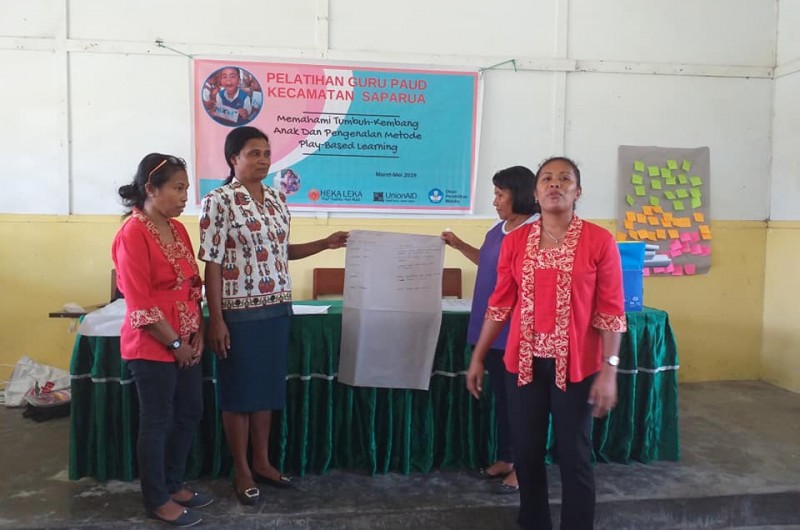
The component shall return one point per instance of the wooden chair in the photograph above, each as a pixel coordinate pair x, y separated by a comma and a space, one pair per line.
330, 282
327, 282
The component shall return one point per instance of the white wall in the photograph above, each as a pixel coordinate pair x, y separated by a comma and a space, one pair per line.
593, 75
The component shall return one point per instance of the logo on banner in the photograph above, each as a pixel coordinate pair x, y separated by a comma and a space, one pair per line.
313, 194
377, 196
435, 196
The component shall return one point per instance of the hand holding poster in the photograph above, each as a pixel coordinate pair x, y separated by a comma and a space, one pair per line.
345, 138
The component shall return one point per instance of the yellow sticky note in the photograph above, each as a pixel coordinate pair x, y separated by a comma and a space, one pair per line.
703, 228
667, 223
705, 235
654, 202
622, 236
637, 179
682, 179
630, 216
657, 209
670, 195
628, 224
665, 172
661, 233
653, 171
638, 165
640, 191
672, 164
641, 218
651, 235
655, 184
633, 235
653, 221
668, 216
699, 217
642, 234
677, 206
682, 222
696, 203
681, 193
686, 166
648, 210
673, 234
695, 192
630, 200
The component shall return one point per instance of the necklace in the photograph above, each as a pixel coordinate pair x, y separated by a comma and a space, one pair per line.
554, 238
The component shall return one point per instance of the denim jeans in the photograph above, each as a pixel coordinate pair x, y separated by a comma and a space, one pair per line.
170, 409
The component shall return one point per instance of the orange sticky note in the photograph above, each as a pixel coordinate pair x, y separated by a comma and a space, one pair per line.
699, 217
682, 222
673, 234
641, 218
658, 209
622, 236
705, 228
630, 216
661, 234
633, 235
651, 235
653, 221
648, 210
705, 235
668, 216
642, 234
666, 223
628, 225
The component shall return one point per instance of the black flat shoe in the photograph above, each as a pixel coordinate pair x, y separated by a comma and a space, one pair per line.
501, 488
248, 497
197, 500
484, 474
186, 519
283, 482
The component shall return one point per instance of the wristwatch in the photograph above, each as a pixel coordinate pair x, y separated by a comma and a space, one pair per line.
175, 344
613, 360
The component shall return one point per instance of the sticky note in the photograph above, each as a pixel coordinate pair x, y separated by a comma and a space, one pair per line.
681, 193
686, 166
672, 164
675, 245
642, 234
646, 272
705, 228
628, 224
657, 209
666, 223
696, 193
653, 171
689, 268
694, 237
668, 216
654, 201
665, 173
699, 217
639, 190
682, 179
661, 233
673, 234
696, 249
670, 268
659, 270
651, 235
669, 181
630, 216
669, 195
622, 236
653, 221
630, 200
677, 205
685, 236
706, 250
696, 181
696, 202
655, 184
633, 235
705, 235
682, 222
648, 210
637, 179
641, 218
638, 165
677, 270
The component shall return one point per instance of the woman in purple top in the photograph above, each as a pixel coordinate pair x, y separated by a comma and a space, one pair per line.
515, 205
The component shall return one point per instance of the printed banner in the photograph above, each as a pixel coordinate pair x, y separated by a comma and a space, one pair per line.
665, 203
345, 138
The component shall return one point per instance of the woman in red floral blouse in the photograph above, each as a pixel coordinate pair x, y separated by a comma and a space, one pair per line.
560, 284
162, 337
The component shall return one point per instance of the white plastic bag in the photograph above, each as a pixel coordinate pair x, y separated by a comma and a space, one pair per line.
105, 322
27, 374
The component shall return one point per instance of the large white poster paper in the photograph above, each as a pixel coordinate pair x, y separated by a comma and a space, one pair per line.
392, 309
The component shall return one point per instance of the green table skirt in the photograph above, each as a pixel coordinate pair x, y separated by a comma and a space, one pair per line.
329, 425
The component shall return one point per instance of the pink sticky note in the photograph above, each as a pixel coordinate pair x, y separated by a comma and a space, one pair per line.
696, 249
706, 250
658, 270
686, 236
670, 268
677, 270
646, 272
675, 245
675, 253
686, 247
689, 268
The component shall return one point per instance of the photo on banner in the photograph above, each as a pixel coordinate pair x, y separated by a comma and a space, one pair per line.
664, 202
345, 138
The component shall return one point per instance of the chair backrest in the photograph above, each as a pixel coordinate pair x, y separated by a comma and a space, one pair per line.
327, 281
451, 283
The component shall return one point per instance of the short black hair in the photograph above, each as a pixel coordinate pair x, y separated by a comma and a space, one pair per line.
235, 142
521, 182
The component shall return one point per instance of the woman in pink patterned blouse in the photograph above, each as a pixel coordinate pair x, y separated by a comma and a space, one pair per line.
559, 282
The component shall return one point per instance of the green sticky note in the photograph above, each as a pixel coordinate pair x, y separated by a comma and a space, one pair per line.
696, 181
682, 179
682, 193
669, 181
639, 190
653, 171
655, 184
686, 166
696, 202
654, 201
672, 164
669, 195
638, 165
637, 179
677, 206
694, 192
630, 200
665, 172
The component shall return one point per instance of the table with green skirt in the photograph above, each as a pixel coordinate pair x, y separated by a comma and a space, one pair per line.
327, 424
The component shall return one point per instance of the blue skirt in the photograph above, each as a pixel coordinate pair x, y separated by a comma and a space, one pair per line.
253, 376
